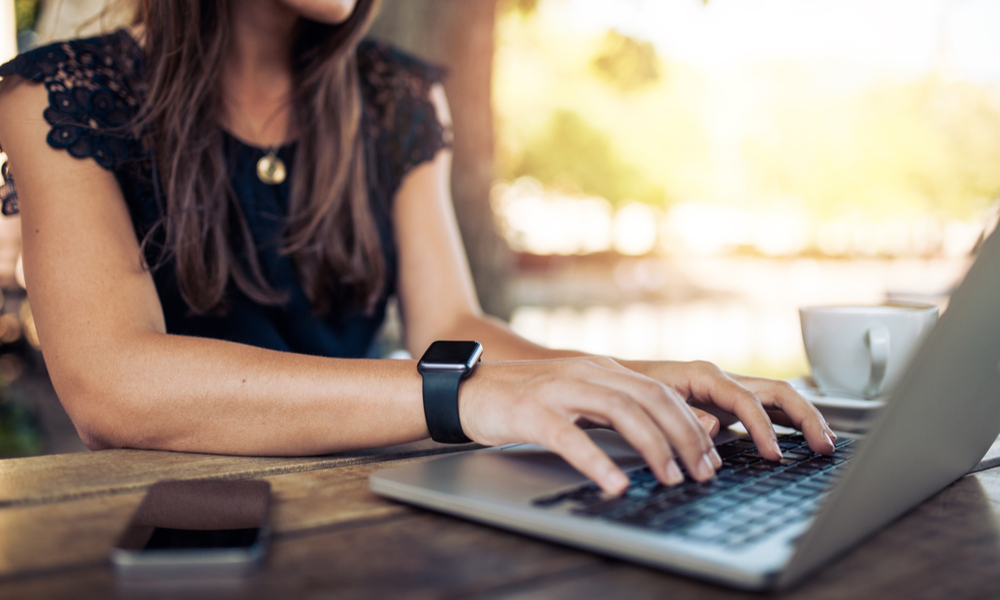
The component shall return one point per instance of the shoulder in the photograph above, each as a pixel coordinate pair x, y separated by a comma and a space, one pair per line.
405, 114
111, 60
89, 93
93, 90
383, 65
396, 86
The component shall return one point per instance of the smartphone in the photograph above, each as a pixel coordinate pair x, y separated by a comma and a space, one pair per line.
202, 528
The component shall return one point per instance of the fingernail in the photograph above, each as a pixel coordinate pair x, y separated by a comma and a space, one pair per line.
705, 468
830, 439
775, 446
673, 473
830, 433
716, 459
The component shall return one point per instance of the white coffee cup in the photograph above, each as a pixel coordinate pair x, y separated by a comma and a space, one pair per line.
862, 351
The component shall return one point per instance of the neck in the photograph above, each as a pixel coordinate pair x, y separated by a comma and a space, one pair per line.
257, 72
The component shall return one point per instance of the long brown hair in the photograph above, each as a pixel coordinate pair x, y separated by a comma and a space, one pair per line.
330, 231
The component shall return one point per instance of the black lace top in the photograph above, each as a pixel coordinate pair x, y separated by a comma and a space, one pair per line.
96, 86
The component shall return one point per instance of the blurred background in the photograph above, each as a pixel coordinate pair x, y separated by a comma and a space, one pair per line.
664, 179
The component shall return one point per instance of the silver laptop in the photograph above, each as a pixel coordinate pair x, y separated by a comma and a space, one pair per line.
757, 525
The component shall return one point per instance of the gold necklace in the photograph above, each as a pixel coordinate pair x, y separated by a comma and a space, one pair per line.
270, 168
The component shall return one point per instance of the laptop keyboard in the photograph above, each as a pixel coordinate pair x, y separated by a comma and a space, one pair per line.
749, 498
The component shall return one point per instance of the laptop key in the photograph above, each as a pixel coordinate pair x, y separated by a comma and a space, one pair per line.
800, 455
671, 523
780, 500
742, 495
644, 474
767, 484
795, 494
727, 450
796, 454
634, 519
643, 515
756, 510
811, 484
638, 493
726, 484
801, 469
766, 465
739, 476
720, 503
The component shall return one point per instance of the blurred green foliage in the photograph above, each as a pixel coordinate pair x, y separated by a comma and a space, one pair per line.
19, 434
570, 153
522, 6
627, 63
25, 13
604, 114
928, 145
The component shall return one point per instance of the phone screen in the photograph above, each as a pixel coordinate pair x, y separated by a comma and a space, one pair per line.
166, 538
196, 525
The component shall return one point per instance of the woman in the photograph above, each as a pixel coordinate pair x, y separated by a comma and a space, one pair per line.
215, 208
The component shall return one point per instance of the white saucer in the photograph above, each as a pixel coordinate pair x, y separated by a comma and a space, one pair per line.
843, 413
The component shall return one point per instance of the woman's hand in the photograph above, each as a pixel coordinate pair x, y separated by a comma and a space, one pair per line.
546, 402
755, 401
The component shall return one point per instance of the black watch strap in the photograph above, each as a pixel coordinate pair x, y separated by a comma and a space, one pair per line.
441, 407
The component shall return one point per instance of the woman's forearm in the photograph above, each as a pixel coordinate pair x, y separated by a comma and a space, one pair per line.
199, 395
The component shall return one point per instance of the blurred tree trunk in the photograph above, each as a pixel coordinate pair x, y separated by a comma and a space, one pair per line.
459, 36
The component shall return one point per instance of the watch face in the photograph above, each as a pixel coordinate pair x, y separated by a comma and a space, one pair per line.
451, 356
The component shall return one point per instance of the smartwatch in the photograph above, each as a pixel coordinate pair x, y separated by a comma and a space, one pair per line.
443, 366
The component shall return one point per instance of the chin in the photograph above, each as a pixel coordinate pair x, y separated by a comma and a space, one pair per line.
323, 11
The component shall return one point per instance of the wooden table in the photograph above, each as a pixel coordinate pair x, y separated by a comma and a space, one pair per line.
59, 516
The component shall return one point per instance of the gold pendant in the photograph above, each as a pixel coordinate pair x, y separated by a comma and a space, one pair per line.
271, 169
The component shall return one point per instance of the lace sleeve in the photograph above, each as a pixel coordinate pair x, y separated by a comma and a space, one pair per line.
92, 99
8, 193
399, 112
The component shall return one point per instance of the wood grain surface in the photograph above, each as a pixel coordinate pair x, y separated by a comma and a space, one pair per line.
56, 478
59, 519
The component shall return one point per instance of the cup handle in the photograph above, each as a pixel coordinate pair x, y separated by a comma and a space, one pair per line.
878, 347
